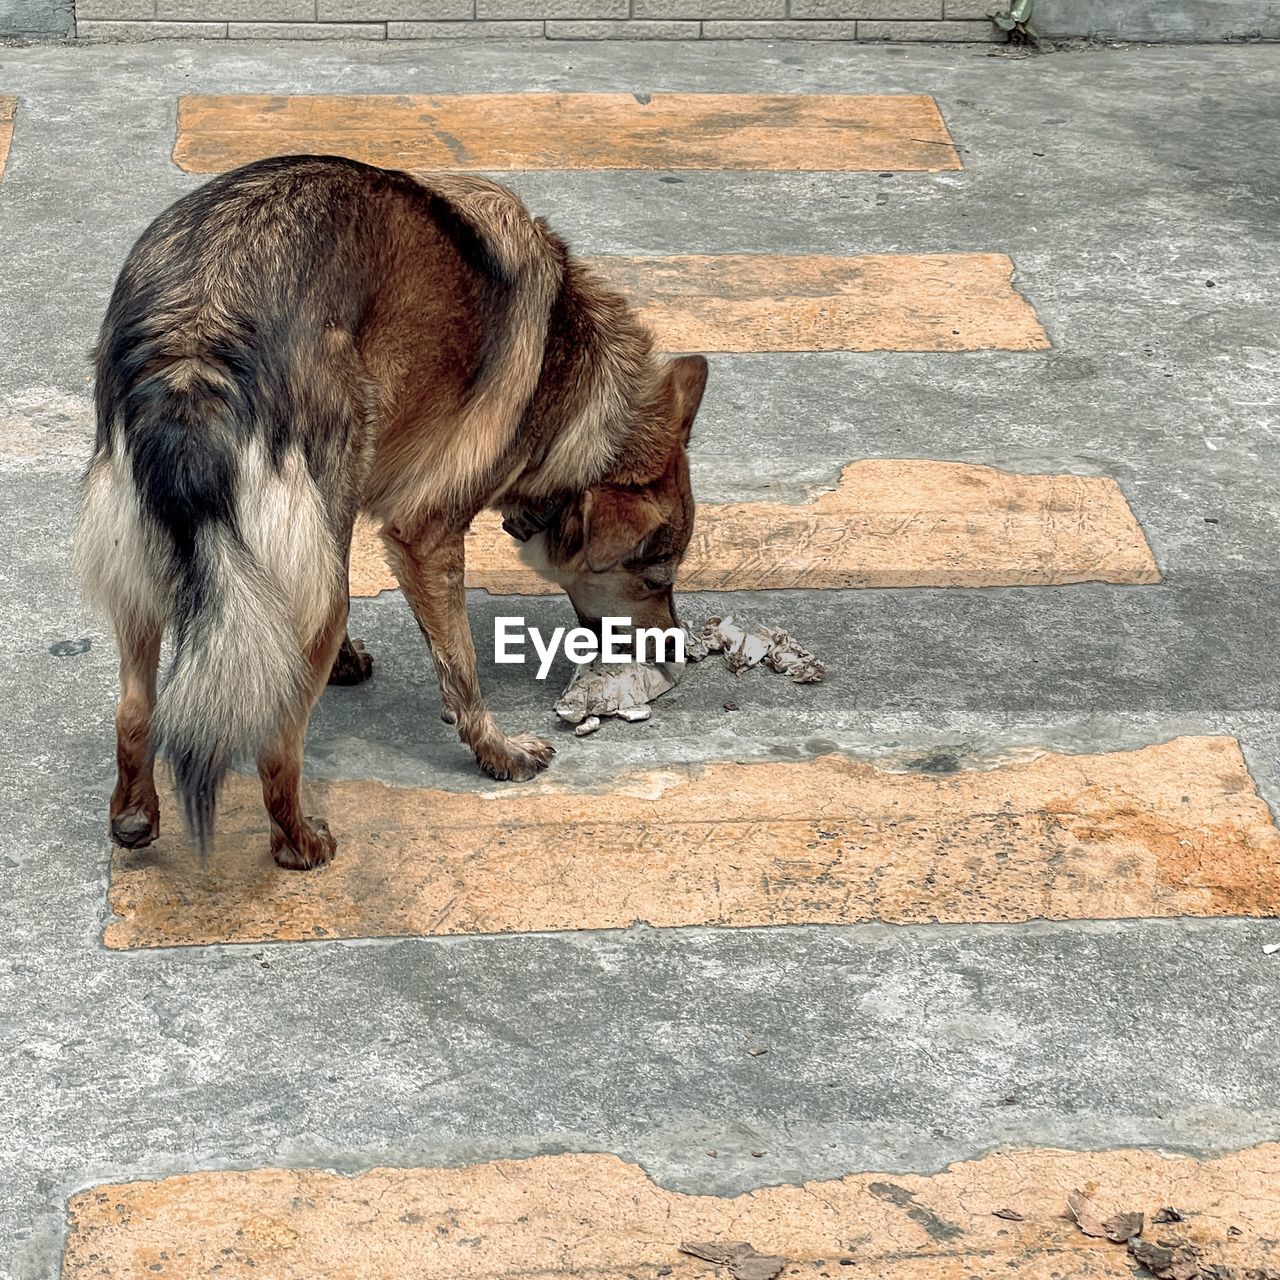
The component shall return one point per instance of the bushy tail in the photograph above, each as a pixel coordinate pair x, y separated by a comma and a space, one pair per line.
237, 673
187, 526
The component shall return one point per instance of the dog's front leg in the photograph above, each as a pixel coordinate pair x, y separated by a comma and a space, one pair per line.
429, 567
353, 665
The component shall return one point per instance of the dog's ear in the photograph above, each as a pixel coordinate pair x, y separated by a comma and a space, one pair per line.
614, 524
686, 381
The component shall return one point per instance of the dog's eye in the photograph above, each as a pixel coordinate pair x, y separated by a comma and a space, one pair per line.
653, 584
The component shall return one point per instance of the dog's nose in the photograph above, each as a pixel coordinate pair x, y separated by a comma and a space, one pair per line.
594, 625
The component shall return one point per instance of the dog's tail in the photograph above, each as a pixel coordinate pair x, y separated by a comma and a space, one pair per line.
187, 527
237, 670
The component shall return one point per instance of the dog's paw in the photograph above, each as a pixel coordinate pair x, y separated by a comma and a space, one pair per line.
353, 665
313, 846
136, 828
515, 759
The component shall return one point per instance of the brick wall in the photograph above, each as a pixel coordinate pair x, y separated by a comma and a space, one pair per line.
867, 20
870, 20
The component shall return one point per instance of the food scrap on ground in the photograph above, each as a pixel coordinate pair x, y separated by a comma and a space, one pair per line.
625, 689
744, 646
622, 689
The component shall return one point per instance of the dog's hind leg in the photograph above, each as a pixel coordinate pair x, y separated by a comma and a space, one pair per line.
354, 663
299, 843
430, 572
135, 810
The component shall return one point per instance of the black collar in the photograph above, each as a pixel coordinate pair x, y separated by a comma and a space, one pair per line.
524, 521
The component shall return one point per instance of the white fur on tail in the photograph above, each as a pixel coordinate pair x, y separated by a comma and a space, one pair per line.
243, 614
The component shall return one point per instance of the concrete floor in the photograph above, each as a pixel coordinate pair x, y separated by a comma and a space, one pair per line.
1138, 193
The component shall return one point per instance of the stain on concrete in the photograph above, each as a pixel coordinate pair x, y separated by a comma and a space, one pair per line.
887, 523
938, 1228
937, 761
597, 1217
70, 648
494, 132
1175, 829
785, 302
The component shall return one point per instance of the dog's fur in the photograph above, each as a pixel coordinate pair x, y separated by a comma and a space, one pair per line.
307, 338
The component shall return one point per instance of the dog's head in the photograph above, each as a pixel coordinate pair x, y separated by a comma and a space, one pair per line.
630, 535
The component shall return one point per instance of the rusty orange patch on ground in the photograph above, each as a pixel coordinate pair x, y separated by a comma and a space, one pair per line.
8, 113
493, 132
1170, 830
877, 302
887, 523
596, 1217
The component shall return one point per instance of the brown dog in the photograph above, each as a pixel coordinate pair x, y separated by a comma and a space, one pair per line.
307, 338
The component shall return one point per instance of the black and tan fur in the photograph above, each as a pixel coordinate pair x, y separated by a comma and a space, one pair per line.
307, 338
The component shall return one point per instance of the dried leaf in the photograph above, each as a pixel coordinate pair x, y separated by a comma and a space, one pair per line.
1012, 1215
1123, 1226
709, 1251
1096, 1222
1167, 1263
1086, 1213
743, 1261
757, 1266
